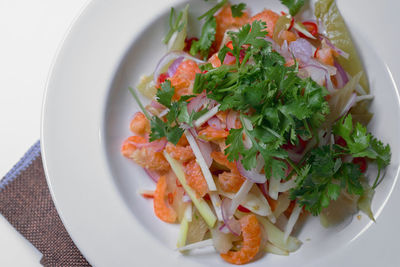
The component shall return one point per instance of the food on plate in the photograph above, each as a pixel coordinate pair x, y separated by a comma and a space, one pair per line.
255, 124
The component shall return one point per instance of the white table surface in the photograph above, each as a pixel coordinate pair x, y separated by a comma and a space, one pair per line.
31, 32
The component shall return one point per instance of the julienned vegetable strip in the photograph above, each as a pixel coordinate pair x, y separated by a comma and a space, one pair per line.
199, 203
200, 159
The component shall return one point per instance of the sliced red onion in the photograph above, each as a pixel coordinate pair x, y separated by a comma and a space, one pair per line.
152, 174
215, 123
335, 48
231, 119
157, 146
251, 175
186, 198
167, 58
174, 66
230, 222
197, 103
224, 229
350, 103
302, 50
341, 76
156, 105
260, 163
204, 147
264, 188
229, 59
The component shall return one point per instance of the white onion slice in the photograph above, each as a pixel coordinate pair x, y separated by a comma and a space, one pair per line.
206, 116
274, 185
197, 103
252, 175
260, 163
201, 161
350, 103
286, 186
230, 222
217, 203
201, 244
152, 174
364, 97
231, 119
292, 221
241, 195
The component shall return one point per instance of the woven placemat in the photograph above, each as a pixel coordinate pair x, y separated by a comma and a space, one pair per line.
25, 201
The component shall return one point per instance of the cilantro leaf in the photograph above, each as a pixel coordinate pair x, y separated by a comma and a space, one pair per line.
207, 37
164, 96
235, 144
323, 178
237, 10
294, 6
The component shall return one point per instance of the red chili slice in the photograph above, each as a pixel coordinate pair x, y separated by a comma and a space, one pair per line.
162, 77
311, 27
243, 209
362, 162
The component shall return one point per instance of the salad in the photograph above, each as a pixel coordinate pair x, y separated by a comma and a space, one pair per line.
255, 125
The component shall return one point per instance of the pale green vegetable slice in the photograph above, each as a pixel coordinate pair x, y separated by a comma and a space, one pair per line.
147, 87
339, 210
197, 229
201, 205
276, 236
364, 203
176, 36
183, 231
337, 32
282, 24
270, 248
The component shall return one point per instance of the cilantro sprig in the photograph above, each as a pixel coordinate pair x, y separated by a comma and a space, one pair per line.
208, 31
280, 105
323, 178
176, 24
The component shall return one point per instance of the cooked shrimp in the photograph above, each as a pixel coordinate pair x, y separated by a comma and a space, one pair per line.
195, 178
226, 21
288, 36
144, 156
181, 153
140, 124
212, 134
228, 181
161, 209
251, 232
183, 78
215, 61
325, 55
269, 17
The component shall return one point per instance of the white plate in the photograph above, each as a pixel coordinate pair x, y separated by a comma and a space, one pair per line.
87, 109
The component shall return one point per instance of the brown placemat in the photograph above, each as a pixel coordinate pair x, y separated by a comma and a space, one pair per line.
25, 201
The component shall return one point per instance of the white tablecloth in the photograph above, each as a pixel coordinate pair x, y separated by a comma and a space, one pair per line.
31, 32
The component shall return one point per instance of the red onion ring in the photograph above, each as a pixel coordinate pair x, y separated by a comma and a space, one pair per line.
229, 59
168, 58
251, 175
231, 119
174, 66
341, 76
301, 49
230, 222
215, 123
156, 105
331, 45
152, 174
196, 103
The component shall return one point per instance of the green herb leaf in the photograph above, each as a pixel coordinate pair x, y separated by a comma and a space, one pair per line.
237, 10
294, 6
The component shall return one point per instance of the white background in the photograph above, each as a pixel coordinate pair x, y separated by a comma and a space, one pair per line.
30, 34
